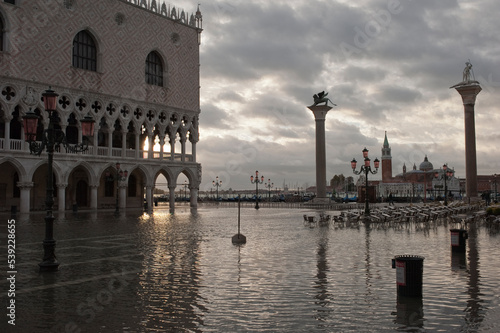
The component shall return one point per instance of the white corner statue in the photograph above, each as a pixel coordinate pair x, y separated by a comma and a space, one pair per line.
321, 98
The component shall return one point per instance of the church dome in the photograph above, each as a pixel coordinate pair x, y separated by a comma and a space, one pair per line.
426, 165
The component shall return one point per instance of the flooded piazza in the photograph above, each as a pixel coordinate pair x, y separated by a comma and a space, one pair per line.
181, 273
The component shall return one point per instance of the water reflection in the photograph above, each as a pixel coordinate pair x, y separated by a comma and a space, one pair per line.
168, 289
410, 312
474, 314
322, 297
163, 272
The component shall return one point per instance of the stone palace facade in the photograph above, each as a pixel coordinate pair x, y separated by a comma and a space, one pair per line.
133, 66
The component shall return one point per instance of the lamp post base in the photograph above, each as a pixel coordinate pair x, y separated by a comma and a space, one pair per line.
49, 266
239, 239
49, 263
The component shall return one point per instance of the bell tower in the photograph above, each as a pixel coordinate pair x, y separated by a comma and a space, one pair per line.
386, 161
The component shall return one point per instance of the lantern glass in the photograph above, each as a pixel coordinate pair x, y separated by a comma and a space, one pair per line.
445, 167
376, 162
365, 153
125, 174
353, 163
87, 126
436, 174
251, 179
262, 179
117, 166
50, 99
367, 162
30, 122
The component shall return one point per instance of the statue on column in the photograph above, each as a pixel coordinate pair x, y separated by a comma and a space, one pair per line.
466, 77
321, 98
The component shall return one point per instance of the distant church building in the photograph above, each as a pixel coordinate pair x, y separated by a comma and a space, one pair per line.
133, 66
419, 182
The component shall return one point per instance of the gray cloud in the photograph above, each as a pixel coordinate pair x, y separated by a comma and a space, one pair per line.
388, 65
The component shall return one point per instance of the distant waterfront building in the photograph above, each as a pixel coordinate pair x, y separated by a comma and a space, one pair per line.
133, 65
419, 182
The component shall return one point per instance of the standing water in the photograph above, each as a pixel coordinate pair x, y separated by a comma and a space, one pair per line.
181, 272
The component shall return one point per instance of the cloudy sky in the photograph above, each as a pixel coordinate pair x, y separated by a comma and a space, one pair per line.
387, 64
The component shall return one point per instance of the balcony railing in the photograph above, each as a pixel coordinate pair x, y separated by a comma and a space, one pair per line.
20, 145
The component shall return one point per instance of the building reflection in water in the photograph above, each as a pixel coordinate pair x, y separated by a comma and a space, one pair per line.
168, 287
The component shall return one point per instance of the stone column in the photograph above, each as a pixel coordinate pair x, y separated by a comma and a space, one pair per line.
171, 191
7, 134
138, 147
162, 142
151, 143
93, 196
172, 147
149, 197
193, 199
183, 148
469, 93
110, 142
320, 112
61, 197
24, 201
96, 140
124, 144
122, 186
193, 151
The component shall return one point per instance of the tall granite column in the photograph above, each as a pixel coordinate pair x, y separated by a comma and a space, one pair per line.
320, 112
469, 93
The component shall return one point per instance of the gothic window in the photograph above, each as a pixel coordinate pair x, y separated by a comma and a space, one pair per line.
154, 69
84, 51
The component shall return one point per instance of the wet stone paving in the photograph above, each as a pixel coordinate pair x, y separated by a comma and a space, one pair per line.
180, 273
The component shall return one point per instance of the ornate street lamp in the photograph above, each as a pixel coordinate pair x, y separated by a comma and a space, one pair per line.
52, 138
257, 181
119, 176
217, 183
366, 168
269, 186
495, 177
447, 174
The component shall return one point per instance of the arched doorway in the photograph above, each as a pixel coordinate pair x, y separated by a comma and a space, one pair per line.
82, 191
78, 190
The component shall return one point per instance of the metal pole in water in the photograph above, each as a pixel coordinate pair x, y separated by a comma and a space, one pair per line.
239, 238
